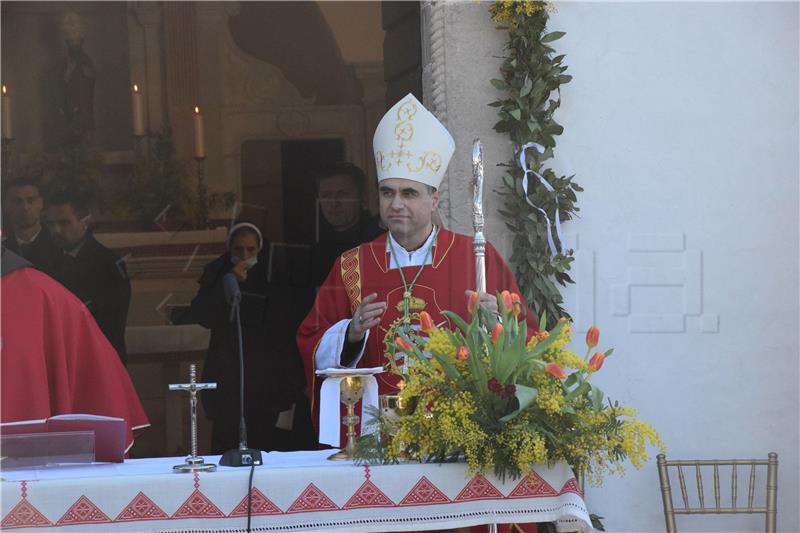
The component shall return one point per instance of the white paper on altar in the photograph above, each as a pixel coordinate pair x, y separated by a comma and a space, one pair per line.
330, 421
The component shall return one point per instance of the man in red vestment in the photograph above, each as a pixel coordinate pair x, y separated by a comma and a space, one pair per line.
415, 266
365, 291
55, 360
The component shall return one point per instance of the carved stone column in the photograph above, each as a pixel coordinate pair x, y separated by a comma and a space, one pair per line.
434, 86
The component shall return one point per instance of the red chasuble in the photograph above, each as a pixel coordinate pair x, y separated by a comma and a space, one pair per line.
55, 360
364, 270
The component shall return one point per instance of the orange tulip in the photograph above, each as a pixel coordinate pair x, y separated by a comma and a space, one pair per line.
403, 344
473, 301
542, 335
496, 332
425, 322
596, 362
592, 336
517, 303
507, 303
554, 370
462, 353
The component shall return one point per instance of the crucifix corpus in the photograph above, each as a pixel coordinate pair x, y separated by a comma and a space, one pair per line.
193, 462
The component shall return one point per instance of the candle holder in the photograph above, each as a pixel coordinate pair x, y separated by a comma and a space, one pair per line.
202, 192
6, 152
142, 146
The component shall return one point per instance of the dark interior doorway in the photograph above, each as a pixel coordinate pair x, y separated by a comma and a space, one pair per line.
278, 183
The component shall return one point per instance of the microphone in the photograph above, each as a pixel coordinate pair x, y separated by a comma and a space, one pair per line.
242, 456
230, 285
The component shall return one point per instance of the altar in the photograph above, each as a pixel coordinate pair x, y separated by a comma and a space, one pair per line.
291, 491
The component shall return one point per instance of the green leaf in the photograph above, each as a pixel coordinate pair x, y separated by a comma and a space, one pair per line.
457, 320
516, 113
526, 87
525, 396
502, 127
582, 389
449, 368
597, 398
499, 84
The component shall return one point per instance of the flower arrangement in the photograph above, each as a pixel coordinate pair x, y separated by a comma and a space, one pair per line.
504, 400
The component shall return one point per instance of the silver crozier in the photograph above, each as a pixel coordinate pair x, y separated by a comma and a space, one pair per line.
479, 241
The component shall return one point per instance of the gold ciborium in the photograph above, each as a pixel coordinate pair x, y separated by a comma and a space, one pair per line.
351, 389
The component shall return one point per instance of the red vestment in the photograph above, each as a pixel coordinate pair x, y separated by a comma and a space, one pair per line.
365, 269
55, 360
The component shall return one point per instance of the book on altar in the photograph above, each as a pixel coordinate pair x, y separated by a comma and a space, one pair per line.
109, 432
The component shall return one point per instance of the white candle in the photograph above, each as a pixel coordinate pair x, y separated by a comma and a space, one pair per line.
199, 134
138, 112
5, 110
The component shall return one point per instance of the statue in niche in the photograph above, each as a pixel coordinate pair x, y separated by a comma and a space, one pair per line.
77, 83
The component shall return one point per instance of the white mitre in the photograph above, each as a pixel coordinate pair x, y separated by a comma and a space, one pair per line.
410, 143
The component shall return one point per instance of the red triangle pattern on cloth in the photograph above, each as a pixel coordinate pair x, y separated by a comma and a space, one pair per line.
533, 486
571, 486
479, 488
424, 493
261, 505
24, 515
368, 495
141, 508
312, 499
83, 511
197, 505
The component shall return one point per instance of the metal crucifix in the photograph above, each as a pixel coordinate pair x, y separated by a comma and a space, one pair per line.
193, 462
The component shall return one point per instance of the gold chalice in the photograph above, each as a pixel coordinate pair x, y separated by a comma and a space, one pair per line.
350, 392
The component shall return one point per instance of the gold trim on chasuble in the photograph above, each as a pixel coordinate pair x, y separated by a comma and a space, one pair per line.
401, 156
351, 277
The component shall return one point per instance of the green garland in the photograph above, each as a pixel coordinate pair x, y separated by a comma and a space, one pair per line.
531, 78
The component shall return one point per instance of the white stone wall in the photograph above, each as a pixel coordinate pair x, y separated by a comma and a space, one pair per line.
682, 125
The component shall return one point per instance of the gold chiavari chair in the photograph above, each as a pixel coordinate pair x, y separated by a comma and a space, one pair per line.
769, 509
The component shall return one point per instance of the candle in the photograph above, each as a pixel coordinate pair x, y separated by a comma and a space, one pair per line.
5, 110
199, 136
138, 112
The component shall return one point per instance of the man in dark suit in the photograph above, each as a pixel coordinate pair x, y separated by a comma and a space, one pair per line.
23, 204
91, 271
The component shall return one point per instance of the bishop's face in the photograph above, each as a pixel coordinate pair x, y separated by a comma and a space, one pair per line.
407, 209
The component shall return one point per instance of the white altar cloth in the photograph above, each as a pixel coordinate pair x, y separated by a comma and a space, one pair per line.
297, 491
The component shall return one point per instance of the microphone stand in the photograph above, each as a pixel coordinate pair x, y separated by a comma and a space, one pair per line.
241, 456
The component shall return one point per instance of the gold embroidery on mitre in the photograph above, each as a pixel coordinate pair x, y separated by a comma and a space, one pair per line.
404, 134
381, 161
432, 160
414, 304
351, 277
403, 131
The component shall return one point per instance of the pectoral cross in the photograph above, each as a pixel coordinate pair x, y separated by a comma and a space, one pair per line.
193, 462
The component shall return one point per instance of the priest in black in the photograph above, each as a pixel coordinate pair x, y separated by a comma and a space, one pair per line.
24, 234
94, 273
276, 409
342, 221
